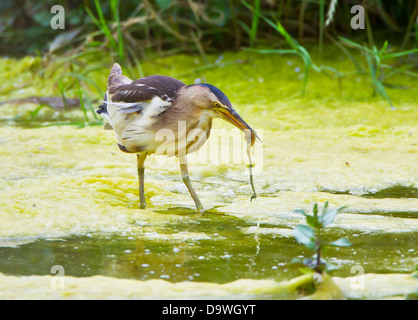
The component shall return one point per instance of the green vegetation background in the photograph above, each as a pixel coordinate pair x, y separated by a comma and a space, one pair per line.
193, 40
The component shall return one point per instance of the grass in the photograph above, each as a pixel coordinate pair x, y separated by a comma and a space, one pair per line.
117, 30
321, 25
254, 24
296, 48
375, 58
101, 23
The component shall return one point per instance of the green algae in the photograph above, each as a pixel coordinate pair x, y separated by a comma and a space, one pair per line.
395, 192
112, 288
70, 197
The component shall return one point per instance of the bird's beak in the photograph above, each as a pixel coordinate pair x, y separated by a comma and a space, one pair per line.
234, 118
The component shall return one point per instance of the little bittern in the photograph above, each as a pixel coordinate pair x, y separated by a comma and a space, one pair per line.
142, 111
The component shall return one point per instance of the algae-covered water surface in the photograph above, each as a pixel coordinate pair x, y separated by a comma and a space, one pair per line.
70, 197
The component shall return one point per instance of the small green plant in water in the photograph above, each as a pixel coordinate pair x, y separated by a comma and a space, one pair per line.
311, 236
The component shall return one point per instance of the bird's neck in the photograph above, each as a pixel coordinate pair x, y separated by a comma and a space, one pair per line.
182, 110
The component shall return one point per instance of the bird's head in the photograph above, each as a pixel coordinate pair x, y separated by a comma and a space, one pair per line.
209, 97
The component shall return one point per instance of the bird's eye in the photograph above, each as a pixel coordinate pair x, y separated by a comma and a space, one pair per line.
216, 104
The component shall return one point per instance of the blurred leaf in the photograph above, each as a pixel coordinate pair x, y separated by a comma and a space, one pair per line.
64, 38
114, 5
325, 207
343, 242
6, 4
305, 266
314, 222
254, 24
306, 270
355, 45
399, 54
279, 51
296, 263
101, 23
300, 211
244, 26
329, 215
43, 18
385, 45
315, 210
163, 4
305, 235
307, 58
83, 107
330, 267
380, 89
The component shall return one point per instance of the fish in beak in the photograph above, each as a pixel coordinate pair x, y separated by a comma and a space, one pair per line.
231, 116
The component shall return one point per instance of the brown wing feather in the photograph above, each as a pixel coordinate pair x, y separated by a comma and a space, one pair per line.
132, 96
146, 88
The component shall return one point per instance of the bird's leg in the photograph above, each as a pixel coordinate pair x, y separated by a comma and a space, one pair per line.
187, 182
141, 170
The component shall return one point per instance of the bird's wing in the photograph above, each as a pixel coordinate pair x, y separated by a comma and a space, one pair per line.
114, 80
133, 107
153, 92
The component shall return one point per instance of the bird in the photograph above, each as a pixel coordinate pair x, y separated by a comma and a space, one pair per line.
161, 115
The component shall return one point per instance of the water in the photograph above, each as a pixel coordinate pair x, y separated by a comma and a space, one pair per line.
225, 252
